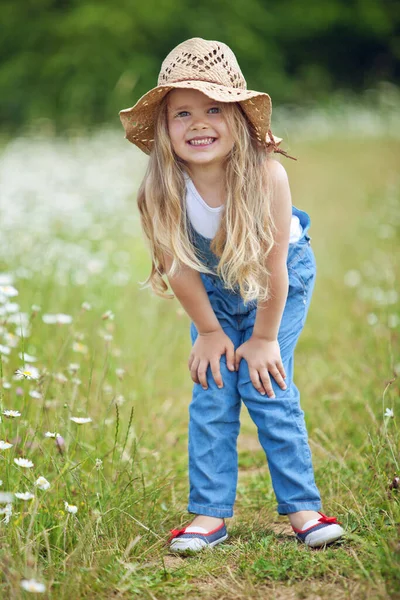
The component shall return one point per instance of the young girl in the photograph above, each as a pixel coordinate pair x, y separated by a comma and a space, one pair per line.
217, 212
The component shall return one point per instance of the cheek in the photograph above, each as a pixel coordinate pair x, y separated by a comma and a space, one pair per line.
177, 131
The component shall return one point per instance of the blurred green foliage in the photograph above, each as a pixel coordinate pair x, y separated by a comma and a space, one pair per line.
79, 62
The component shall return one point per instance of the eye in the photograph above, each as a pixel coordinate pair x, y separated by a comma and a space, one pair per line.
182, 113
217, 108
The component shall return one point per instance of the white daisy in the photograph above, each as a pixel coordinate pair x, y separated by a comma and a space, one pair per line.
8, 290
24, 495
78, 347
71, 508
60, 378
27, 357
81, 420
11, 413
120, 373
7, 512
6, 385
11, 307
4, 349
108, 315
35, 394
73, 367
49, 434
60, 318
5, 445
23, 462
6, 498
389, 412
42, 483
35, 308
31, 585
6, 279
86, 306
27, 372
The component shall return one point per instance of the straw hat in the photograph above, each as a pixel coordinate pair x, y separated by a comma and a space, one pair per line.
210, 67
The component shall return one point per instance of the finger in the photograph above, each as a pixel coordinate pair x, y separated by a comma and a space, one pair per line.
238, 358
278, 377
193, 370
215, 370
255, 379
281, 369
267, 383
202, 373
191, 359
230, 357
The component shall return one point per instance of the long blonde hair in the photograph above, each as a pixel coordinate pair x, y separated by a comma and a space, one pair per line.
245, 235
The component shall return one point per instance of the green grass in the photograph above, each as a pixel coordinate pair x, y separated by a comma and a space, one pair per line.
346, 368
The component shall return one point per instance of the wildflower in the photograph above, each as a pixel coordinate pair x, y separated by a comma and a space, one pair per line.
71, 508
389, 412
372, 319
6, 497
35, 308
5, 445
76, 381
24, 495
23, 462
60, 319
60, 378
49, 434
108, 337
86, 306
11, 307
7, 512
4, 349
120, 373
11, 413
27, 372
42, 483
108, 315
27, 357
78, 347
6, 279
35, 394
6, 385
393, 321
8, 290
1, 482
119, 400
73, 367
81, 420
31, 585
19, 391
98, 464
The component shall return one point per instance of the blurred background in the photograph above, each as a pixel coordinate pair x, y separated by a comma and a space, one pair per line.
74, 63
72, 260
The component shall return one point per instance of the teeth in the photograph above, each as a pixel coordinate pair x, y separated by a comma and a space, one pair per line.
202, 142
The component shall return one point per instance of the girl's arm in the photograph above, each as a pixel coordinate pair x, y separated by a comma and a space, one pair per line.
190, 291
269, 313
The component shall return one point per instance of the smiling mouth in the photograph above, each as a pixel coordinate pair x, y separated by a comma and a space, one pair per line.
202, 142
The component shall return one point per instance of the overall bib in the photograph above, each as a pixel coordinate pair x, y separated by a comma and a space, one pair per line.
214, 414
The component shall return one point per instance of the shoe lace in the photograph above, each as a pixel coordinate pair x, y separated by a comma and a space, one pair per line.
325, 519
175, 532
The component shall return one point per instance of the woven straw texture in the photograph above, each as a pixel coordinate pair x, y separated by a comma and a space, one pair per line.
208, 66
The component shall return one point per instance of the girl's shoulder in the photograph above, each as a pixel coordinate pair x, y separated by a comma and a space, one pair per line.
276, 170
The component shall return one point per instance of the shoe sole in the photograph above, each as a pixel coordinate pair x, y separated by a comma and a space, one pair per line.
322, 537
197, 544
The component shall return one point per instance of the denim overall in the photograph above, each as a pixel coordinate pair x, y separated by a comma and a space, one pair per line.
214, 413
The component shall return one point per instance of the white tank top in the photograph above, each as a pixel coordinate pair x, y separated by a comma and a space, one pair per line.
205, 219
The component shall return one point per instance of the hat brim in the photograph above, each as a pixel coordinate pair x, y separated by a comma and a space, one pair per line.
138, 121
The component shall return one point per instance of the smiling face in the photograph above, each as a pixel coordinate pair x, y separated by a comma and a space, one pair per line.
198, 130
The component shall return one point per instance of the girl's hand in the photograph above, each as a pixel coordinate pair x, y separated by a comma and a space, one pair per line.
262, 356
208, 348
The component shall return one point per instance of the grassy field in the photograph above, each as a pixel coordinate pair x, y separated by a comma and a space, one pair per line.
72, 253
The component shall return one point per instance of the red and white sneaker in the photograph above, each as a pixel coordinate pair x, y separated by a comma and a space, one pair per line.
196, 538
318, 532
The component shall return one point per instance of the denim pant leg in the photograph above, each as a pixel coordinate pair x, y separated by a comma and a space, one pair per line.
214, 423
280, 421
